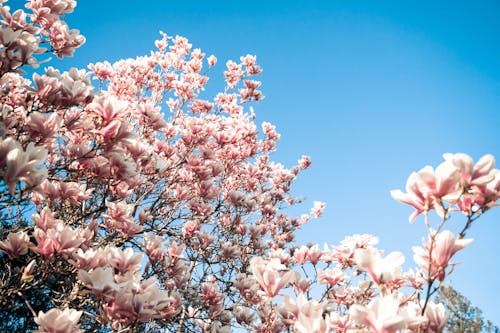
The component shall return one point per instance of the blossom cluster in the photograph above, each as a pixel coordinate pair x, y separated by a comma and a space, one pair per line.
131, 202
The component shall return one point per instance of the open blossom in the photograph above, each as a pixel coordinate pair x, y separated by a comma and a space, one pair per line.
476, 180
15, 245
212, 60
233, 74
102, 70
344, 254
124, 260
381, 270
154, 245
17, 164
304, 162
435, 256
385, 314
306, 315
472, 174
100, 280
437, 317
58, 321
270, 275
331, 276
318, 208
300, 255
58, 239
456, 181
119, 218
426, 188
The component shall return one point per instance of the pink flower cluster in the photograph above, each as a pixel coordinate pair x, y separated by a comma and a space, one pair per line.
456, 184
137, 204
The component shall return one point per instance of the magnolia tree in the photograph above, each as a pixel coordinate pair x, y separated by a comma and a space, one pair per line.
130, 204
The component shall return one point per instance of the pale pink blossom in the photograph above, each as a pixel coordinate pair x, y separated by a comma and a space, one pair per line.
190, 228
427, 188
102, 70
58, 321
435, 256
304, 162
18, 164
15, 245
311, 319
64, 40
233, 74
42, 125
381, 269
314, 255
385, 314
300, 255
124, 260
437, 317
478, 174
45, 220
154, 245
100, 280
56, 7
270, 275
119, 218
90, 258
331, 276
212, 60
318, 208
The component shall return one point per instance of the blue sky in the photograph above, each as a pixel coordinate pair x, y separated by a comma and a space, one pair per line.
371, 90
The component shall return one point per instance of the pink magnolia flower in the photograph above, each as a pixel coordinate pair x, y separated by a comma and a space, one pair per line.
233, 74
58, 321
63, 40
58, 239
102, 70
340, 323
310, 317
270, 275
154, 245
427, 188
119, 218
15, 245
318, 208
43, 125
344, 254
475, 179
304, 162
381, 270
437, 318
190, 228
89, 259
300, 255
492, 190
17, 164
435, 256
314, 255
385, 314
212, 60
124, 260
100, 280
331, 276
65, 239
57, 7
45, 220
478, 174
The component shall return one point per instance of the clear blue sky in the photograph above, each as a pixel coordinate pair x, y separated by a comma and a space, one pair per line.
371, 90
